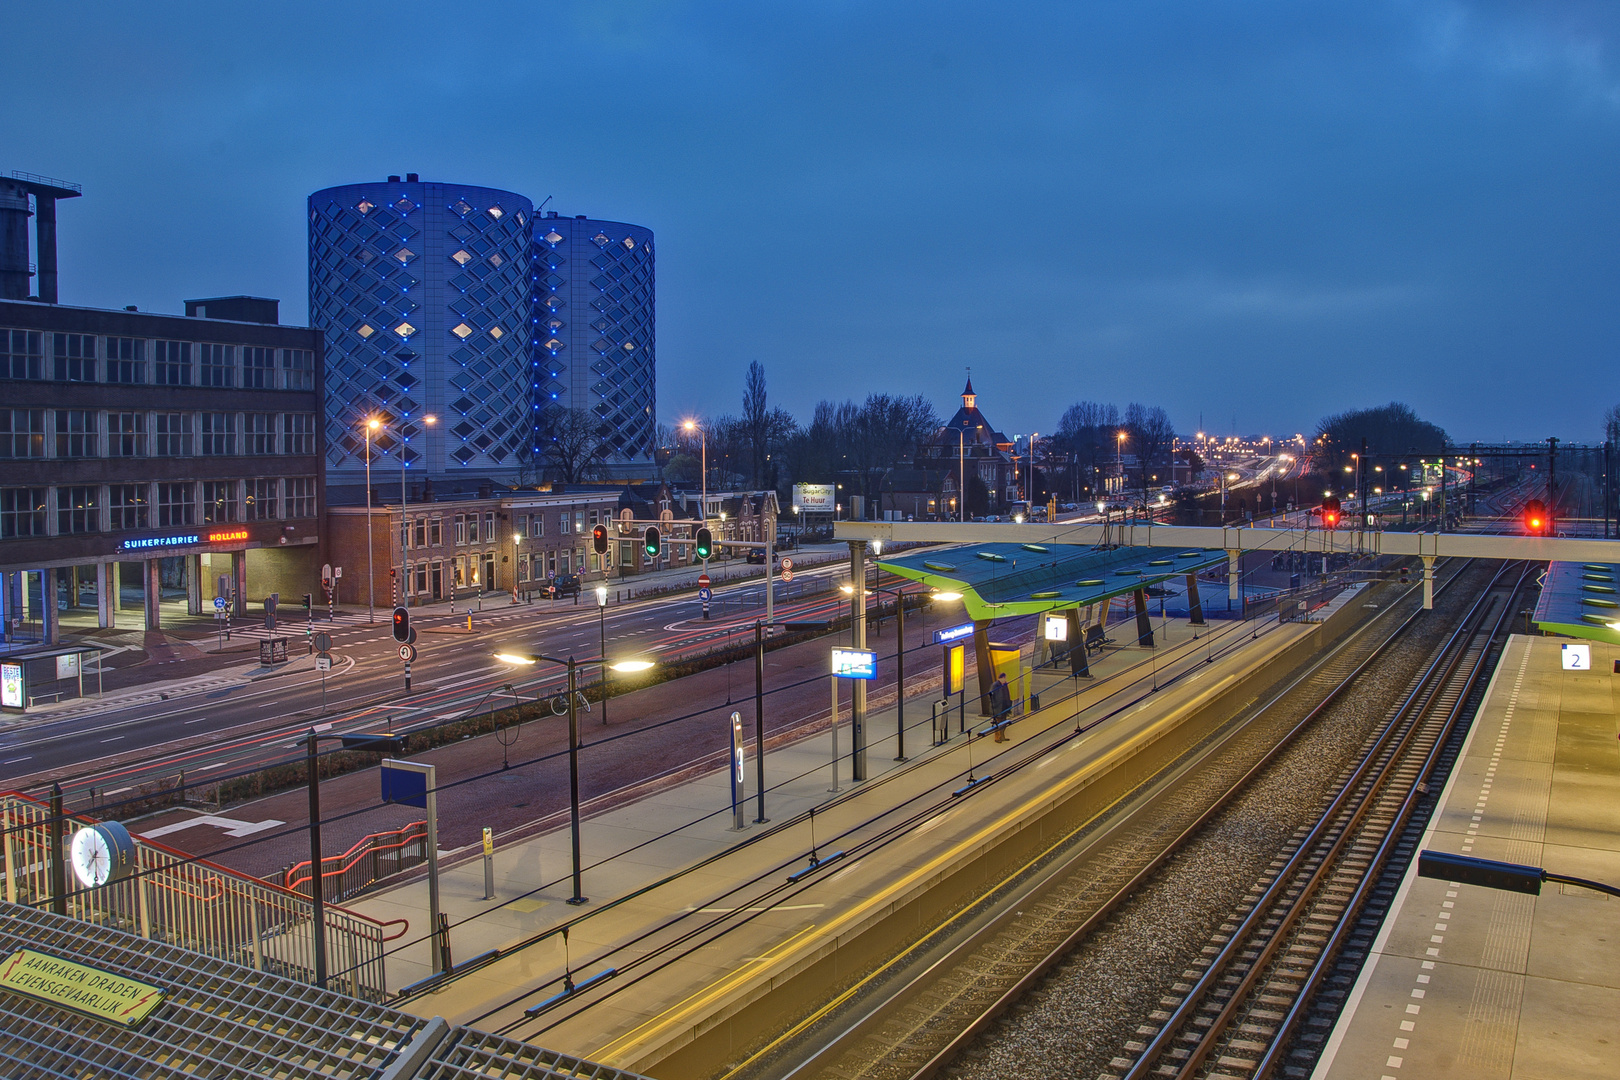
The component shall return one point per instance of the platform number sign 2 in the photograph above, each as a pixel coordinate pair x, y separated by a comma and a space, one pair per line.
1577, 657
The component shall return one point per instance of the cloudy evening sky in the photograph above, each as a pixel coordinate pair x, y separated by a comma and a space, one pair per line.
1251, 209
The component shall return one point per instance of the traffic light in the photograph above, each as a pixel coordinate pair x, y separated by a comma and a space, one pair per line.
1536, 521
1330, 512
705, 544
402, 624
599, 539
653, 544
309, 601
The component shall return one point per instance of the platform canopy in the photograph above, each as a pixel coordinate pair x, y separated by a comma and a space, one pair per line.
1000, 579
1581, 600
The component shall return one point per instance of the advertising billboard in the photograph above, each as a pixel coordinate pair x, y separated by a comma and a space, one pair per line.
815, 498
11, 686
854, 663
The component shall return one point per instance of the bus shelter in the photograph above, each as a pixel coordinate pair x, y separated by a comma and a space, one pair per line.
1001, 580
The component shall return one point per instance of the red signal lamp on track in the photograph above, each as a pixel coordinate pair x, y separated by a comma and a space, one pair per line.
1330, 512
1537, 522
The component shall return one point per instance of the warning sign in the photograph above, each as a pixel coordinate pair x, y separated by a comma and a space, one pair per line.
88, 990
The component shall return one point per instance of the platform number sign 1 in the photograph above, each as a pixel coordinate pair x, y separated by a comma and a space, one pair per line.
1577, 656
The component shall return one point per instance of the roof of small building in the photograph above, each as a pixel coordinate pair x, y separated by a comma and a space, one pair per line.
999, 580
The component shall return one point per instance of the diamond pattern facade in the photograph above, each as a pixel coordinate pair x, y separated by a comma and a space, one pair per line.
594, 337
425, 290
417, 286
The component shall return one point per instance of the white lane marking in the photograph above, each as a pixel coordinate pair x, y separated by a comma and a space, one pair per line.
199, 720
15, 760
232, 826
115, 738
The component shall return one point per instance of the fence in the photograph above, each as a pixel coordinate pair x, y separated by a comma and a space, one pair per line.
371, 859
197, 905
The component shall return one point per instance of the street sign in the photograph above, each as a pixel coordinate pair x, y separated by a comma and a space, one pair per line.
337, 571
407, 653
323, 641
704, 594
787, 564
1577, 657
323, 662
219, 603
703, 581
787, 576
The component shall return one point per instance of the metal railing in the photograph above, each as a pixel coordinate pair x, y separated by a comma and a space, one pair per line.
172, 897
371, 859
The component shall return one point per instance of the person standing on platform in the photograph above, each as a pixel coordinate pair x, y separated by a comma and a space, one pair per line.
1000, 704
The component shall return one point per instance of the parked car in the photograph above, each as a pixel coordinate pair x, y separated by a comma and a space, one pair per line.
756, 556
562, 585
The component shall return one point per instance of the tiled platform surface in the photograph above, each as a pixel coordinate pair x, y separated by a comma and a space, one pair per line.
1478, 983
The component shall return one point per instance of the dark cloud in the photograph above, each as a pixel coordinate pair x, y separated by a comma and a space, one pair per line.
1265, 210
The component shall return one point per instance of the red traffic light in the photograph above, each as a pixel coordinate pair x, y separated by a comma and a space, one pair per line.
1330, 512
599, 539
402, 624
1536, 519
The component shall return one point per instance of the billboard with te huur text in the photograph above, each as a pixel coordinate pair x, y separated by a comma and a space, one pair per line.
815, 498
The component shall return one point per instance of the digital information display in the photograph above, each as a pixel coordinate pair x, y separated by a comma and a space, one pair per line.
11, 686
854, 663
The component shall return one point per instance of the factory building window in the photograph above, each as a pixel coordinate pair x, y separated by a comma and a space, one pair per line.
177, 504
218, 365
22, 512
76, 433
77, 510
126, 360
22, 354
75, 357
22, 433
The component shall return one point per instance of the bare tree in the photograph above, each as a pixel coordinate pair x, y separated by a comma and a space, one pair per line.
765, 429
571, 444
1150, 433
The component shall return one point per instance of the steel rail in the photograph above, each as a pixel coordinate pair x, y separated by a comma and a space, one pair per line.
1335, 827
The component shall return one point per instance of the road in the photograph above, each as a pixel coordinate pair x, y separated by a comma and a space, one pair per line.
220, 731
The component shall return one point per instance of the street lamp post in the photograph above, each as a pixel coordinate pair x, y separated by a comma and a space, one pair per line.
703, 437
961, 472
371, 425
404, 521
601, 635
573, 738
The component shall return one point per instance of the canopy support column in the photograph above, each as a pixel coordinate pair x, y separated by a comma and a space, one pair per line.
1077, 646
1195, 605
1144, 626
981, 654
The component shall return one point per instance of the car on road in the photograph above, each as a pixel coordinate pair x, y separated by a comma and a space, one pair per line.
562, 585
756, 556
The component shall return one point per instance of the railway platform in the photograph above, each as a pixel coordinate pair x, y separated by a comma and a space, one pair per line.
695, 934
1464, 981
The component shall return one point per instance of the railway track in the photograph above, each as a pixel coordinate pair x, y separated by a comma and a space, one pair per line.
914, 1016
1242, 1007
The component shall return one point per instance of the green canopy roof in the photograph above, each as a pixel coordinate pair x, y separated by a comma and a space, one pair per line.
999, 580
1581, 600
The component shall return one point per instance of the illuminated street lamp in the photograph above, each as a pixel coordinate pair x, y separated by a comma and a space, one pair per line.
371, 425
692, 425
529, 659
404, 522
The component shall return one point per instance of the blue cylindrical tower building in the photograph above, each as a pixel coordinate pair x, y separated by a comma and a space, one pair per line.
426, 296
595, 341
